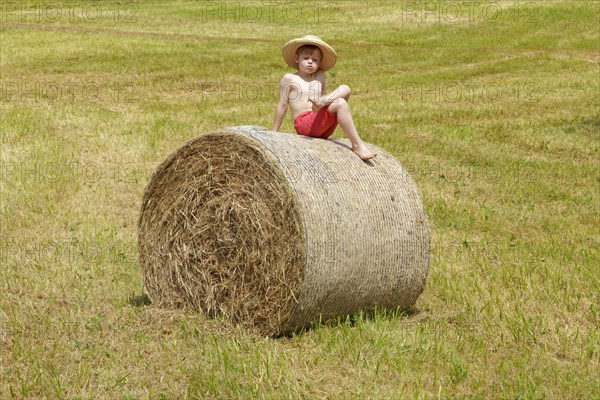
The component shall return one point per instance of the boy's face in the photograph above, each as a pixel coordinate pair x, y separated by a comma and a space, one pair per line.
308, 61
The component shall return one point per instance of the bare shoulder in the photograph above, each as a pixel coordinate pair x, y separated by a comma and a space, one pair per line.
320, 76
287, 78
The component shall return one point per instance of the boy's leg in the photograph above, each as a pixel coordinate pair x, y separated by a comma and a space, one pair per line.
341, 92
341, 109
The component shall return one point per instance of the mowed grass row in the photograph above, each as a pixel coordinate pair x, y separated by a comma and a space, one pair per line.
493, 108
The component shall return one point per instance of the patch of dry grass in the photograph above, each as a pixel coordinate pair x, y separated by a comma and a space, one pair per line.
508, 171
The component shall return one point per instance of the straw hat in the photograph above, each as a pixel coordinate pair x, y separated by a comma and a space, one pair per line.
290, 48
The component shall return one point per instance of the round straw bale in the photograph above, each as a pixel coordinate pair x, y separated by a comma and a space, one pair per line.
276, 231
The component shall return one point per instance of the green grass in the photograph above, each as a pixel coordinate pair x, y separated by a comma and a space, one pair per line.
496, 116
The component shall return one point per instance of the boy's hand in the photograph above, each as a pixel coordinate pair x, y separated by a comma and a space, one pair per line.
317, 103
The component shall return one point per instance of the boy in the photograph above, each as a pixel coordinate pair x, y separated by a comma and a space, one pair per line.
315, 113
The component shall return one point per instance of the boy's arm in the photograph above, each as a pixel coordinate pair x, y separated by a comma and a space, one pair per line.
322, 100
327, 99
284, 92
323, 81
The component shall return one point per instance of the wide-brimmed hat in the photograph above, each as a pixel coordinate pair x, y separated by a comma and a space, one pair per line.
290, 48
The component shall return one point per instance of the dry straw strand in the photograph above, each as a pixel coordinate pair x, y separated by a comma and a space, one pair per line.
276, 231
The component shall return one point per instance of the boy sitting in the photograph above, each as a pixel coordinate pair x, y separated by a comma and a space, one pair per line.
315, 113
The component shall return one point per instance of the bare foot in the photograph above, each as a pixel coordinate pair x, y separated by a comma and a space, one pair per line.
363, 152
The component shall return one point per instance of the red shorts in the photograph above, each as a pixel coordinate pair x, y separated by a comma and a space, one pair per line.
319, 124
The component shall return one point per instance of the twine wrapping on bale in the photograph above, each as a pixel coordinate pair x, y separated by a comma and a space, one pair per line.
276, 231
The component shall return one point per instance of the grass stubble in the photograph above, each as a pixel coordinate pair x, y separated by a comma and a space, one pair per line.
495, 115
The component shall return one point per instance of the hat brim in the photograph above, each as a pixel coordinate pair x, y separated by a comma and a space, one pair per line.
329, 55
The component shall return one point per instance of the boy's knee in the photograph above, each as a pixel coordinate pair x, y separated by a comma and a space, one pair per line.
344, 91
339, 105
341, 102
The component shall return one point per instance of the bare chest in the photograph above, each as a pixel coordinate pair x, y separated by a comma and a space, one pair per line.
303, 90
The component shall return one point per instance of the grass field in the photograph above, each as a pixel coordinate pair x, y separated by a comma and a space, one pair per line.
493, 107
